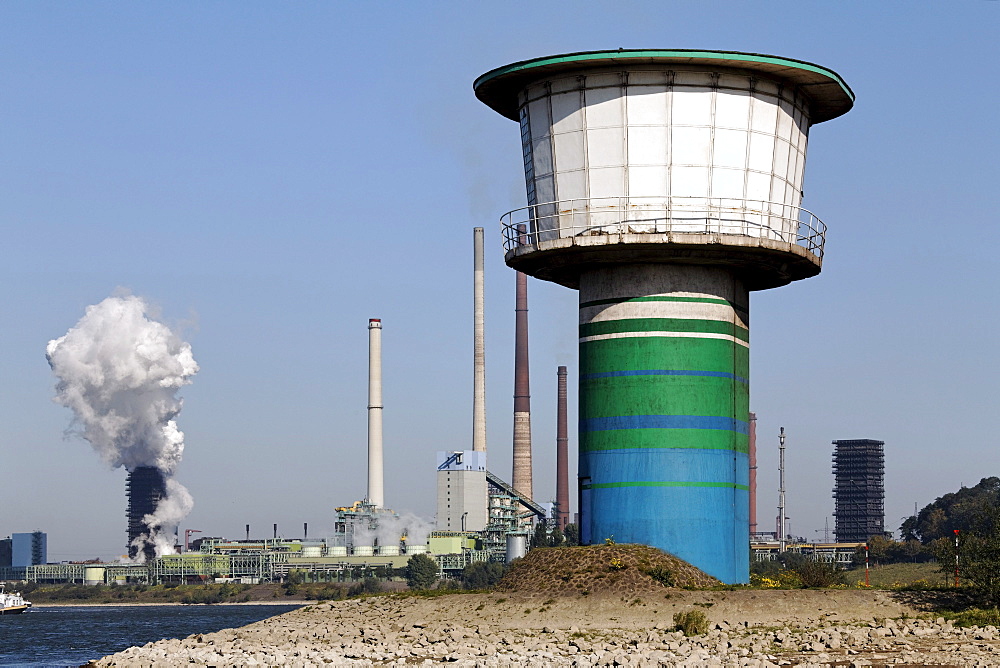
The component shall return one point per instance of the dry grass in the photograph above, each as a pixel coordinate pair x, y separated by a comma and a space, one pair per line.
600, 570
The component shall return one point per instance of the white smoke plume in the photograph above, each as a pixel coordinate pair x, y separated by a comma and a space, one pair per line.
172, 508
390, 529
119, 372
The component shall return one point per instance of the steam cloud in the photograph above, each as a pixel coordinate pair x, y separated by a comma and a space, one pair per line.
119, 371
391, 528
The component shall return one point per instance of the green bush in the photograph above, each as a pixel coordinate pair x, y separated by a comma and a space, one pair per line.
662, 575
819, 574
975, 617
691, 622
421, 572
482, 574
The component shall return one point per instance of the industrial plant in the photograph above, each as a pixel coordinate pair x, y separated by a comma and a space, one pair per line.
663, 185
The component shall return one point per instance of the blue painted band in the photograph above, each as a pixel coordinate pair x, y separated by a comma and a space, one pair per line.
663, 422
665, 372
707, 526
638, 464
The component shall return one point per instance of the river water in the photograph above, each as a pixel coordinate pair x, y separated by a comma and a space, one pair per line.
69, 635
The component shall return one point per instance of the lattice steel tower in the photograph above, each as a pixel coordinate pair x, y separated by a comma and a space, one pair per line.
665, 185
859, 490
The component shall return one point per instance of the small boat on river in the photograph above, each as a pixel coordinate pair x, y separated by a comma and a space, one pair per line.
12, 603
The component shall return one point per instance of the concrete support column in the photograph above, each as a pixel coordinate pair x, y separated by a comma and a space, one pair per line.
664, 411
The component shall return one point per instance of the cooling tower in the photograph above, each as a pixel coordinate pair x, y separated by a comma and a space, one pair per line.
145, 486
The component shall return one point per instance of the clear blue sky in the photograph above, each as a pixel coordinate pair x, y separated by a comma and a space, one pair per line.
274, 174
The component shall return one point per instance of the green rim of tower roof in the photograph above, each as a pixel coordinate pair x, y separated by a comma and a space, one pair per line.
829, 93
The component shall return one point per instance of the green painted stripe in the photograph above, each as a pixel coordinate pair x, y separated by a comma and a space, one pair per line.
696, 300
663, 395
664, 325
637, 353
657, 439
665, 483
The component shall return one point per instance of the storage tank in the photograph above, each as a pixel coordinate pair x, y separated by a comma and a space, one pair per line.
416, 549
312, 551
389, 550
363, 550
93, 575
517, 546
337, 551
665, 186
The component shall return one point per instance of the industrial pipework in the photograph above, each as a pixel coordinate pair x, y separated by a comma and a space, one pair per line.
665, 185
375, 493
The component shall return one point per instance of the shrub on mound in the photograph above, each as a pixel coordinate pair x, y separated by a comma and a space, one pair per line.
600, 569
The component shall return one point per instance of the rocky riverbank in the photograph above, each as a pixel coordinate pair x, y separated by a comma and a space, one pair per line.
748, 628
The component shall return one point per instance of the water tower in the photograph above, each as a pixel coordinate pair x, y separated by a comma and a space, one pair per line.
665, 186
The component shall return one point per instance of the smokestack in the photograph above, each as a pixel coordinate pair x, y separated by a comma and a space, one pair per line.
305, 530
275, 530
479, 346
521, 478
145, 486
753, 472
375, 496
248, 532
562, 455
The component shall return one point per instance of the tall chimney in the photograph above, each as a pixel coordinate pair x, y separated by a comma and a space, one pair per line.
248, 532
562, 455
521, 478
479, 346
375, 496
753, 472
305, 530
275, 531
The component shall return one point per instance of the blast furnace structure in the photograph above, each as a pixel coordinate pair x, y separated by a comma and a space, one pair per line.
665, 185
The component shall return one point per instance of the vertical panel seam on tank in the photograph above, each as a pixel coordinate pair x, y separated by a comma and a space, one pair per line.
669, 102
583, 87
746, 154
529, 164
711, 142
551, 133
803, 152
774, 149
625, 190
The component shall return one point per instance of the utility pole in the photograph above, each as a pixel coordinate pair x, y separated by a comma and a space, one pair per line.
781, 491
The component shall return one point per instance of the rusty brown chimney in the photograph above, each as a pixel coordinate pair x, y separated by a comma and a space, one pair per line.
562, 454
521, 478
